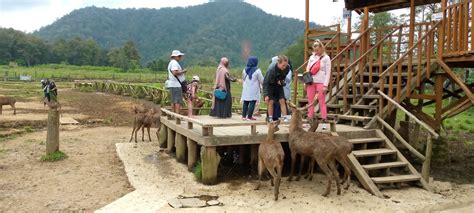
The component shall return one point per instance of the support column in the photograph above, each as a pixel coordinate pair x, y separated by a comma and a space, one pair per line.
242, 155
210, 161
192, 153
162, 136
425, 170
170, 141
439, 100
253, 154
180, 148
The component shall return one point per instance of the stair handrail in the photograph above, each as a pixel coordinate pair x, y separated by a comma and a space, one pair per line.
350, 44
410, 50
421, 123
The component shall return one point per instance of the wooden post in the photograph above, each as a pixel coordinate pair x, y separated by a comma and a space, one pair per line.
425, 170
253, 154
442, 29
411, 36
163, 136
192, 153
439, 99
180, 148
349, 29
242, 155
170, 141
52, 137
210, 161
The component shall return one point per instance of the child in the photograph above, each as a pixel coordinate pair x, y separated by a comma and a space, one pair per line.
191, 93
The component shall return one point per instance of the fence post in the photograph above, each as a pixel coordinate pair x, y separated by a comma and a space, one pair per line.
425, 170
6, 76
52, 138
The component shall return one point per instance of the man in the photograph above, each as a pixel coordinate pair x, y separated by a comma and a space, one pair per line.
175, 80
273, 84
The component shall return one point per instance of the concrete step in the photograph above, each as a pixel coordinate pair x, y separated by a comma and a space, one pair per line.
373, 152
384, 165
396, 179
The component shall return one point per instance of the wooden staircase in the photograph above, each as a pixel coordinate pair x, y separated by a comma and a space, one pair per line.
378, 164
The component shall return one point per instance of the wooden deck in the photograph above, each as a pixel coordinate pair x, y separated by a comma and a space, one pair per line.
184, 135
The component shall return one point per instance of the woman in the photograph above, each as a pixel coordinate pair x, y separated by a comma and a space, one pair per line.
253, 79
319, 65
222, 108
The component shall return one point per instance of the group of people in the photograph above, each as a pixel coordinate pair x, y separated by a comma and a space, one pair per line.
49, 90
275, 86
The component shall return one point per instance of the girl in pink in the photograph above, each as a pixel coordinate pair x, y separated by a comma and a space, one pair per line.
319, 65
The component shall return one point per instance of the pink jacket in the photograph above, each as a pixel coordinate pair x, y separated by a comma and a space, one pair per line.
324, 73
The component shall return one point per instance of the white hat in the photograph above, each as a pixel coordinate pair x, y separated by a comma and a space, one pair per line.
195, 78
176, 53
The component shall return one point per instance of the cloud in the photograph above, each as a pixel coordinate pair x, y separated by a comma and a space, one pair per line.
13, 5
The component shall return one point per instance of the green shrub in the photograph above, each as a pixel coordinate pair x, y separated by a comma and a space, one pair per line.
198, 171
55, 156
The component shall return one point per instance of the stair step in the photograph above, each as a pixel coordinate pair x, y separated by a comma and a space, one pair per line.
334, 105
373, 152
350, 117
371, 96
365, 140
396, 179
384, 165
375, 85
360, 106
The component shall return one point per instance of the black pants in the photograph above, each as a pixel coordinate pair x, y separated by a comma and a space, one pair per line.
248, 108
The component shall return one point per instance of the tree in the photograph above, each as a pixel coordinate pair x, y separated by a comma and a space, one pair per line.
157, 65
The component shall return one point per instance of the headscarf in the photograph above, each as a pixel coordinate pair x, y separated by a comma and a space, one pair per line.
252, 63
220, 73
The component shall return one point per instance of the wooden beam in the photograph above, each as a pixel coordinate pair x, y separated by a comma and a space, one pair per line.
455, 104
425, 170
423, 96
411, 37
400, 139
456, 79
409, 114
363, 177
441, 30
466, 105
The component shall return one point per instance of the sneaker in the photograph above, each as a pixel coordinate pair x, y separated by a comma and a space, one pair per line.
285, 119
244, 119
269, 119
323, 126
251, 119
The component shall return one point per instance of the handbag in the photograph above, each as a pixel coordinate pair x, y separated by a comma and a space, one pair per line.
220, 94
184, 85
308, 78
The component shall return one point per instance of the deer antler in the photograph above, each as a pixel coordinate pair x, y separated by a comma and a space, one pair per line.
302, 108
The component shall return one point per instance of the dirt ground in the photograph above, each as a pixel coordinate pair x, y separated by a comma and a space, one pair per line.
90, 177
93, 176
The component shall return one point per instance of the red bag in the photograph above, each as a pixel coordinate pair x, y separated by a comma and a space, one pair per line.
315, 67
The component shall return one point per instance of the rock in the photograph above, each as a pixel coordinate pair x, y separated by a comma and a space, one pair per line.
175, 203
193, 202
213, 203
396, 201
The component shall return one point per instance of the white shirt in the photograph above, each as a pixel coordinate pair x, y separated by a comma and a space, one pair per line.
172, 81
251, 87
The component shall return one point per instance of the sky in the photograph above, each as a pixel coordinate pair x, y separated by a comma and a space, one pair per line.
31, 15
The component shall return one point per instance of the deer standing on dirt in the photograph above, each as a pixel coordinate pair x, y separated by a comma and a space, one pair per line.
271, 156
144, 118
4, 100
344, 148
309, 144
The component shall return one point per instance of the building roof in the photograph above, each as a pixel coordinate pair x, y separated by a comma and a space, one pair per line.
383, 5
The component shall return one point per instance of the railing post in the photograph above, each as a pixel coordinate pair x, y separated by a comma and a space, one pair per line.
441, 30
425, 170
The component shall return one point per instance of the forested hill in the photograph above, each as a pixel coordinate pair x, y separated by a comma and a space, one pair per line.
204, 32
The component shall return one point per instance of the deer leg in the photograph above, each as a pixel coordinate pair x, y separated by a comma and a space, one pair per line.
277, 181
260, 172
143, 133
347, 172
133, 130
158, 132
309, 175
136, 131
328, 173
14, 109
301, 167
335, 173
148, 130
272, 173
293, 161
1, 107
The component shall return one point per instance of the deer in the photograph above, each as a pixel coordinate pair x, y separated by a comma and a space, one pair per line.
5, 100
144, 118
344, 148
271, 157
309, 144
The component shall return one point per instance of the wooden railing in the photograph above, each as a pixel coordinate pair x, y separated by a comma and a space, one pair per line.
458, 38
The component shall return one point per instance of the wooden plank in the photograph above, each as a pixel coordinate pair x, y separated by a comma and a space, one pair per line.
435, 135
365, 140
396, 179
401, 139
373, 152
384, 165
363, 177
425, 170
368, 107
456, 79
423, 96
